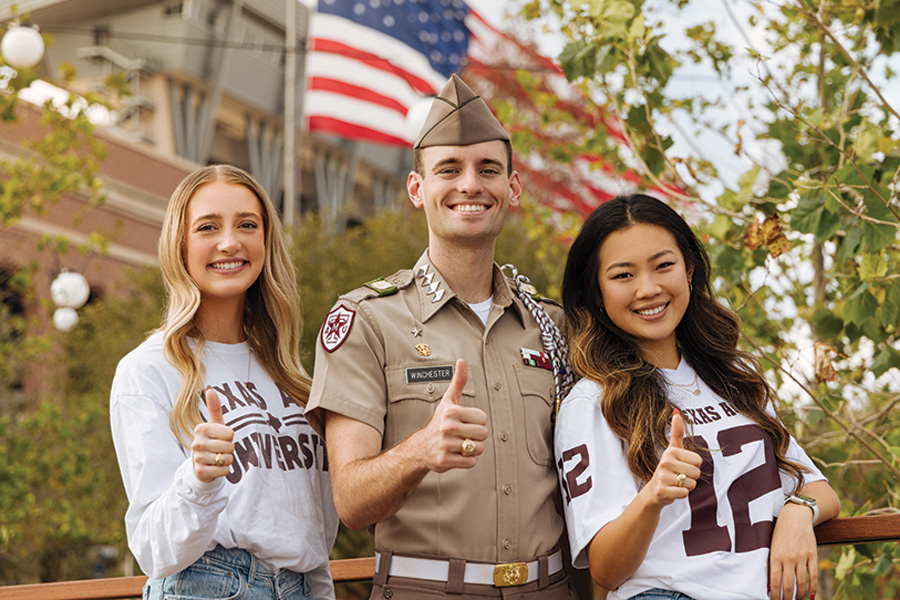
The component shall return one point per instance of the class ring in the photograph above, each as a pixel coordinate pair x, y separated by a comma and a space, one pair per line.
467, 447
220, 460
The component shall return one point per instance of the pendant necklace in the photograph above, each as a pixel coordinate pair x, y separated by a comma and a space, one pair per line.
692, 387
246, 381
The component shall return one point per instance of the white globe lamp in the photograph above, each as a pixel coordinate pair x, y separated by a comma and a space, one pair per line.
70, 290
64, 319
22, 46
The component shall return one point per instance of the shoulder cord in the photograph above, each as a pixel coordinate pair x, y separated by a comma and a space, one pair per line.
551, 337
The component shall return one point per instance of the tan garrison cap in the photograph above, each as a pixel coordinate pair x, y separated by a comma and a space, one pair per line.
459, 117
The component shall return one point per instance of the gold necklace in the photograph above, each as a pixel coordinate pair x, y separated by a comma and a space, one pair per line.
236, 374
693, 387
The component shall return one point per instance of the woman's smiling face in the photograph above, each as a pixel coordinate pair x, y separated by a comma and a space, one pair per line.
224, 246
644, 283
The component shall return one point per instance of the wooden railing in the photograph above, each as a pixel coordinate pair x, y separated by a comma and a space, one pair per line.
850, 530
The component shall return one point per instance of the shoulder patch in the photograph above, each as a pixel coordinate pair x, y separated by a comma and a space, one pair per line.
529, 289
382, 286
336, 327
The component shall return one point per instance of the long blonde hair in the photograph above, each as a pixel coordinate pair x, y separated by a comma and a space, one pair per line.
271, 308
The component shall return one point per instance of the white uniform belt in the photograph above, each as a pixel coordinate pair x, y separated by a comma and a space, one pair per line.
479, 573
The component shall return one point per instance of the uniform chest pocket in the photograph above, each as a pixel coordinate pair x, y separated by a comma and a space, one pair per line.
537, 389
414, 391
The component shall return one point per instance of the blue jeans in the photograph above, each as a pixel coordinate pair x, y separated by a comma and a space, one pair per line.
660, 595
228, 574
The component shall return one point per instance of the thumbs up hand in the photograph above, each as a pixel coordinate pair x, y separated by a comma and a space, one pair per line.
676, 439
452, 423
212, 450
678, 469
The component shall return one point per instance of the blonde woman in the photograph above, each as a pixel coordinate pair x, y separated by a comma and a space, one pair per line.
228, 486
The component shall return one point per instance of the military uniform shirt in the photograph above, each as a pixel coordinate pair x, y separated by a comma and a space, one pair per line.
386, 361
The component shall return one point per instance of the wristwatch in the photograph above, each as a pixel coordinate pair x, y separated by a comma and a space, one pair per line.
805, 501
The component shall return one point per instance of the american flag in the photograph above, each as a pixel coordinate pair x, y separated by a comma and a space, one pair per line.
370, 60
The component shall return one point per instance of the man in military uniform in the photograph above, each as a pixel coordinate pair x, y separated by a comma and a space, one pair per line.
435, 391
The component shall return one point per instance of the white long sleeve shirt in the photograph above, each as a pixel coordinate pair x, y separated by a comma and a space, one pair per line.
276, 501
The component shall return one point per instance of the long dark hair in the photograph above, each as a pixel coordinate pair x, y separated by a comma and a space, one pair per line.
635, 402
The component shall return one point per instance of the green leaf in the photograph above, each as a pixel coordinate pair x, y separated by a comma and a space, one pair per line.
850, 244
887, 359
729, 262
827, 324
812, 216
720, 226
890, 309
872, 267
845, 564
577, 60
885, 561
876, 236
861, 305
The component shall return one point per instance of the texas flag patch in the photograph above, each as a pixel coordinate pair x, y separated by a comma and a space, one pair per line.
534, 358
336, 328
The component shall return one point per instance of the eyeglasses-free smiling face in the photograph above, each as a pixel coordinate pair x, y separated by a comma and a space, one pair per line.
643, 281
465, 192
224, 247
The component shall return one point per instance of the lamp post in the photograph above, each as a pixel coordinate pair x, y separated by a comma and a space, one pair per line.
22, 46
69, 291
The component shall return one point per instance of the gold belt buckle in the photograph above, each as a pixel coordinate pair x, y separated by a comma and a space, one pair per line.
509, 574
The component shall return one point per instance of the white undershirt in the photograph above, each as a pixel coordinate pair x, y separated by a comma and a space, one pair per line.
482, 309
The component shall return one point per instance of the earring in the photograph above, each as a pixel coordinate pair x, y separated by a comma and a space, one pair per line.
690, 287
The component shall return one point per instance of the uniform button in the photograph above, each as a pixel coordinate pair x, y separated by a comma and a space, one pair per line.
388, 594
504, 436
507, 544
497, 385
507, 489
430, 388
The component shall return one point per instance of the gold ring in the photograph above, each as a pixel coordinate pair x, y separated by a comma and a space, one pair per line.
468, 447
680, 479
220, 460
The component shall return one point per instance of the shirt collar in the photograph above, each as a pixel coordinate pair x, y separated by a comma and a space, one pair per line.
434, 292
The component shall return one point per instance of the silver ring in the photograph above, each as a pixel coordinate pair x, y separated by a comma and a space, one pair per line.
680, 479
220, 460
468, 447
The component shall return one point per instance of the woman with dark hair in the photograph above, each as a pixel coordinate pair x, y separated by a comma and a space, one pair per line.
228, 486
678, 478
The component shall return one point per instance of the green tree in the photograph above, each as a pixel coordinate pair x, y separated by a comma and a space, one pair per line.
802, 244
61, 493
48, 476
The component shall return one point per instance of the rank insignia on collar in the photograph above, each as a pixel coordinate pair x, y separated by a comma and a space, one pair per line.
428, 282
336, 328
535, 358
